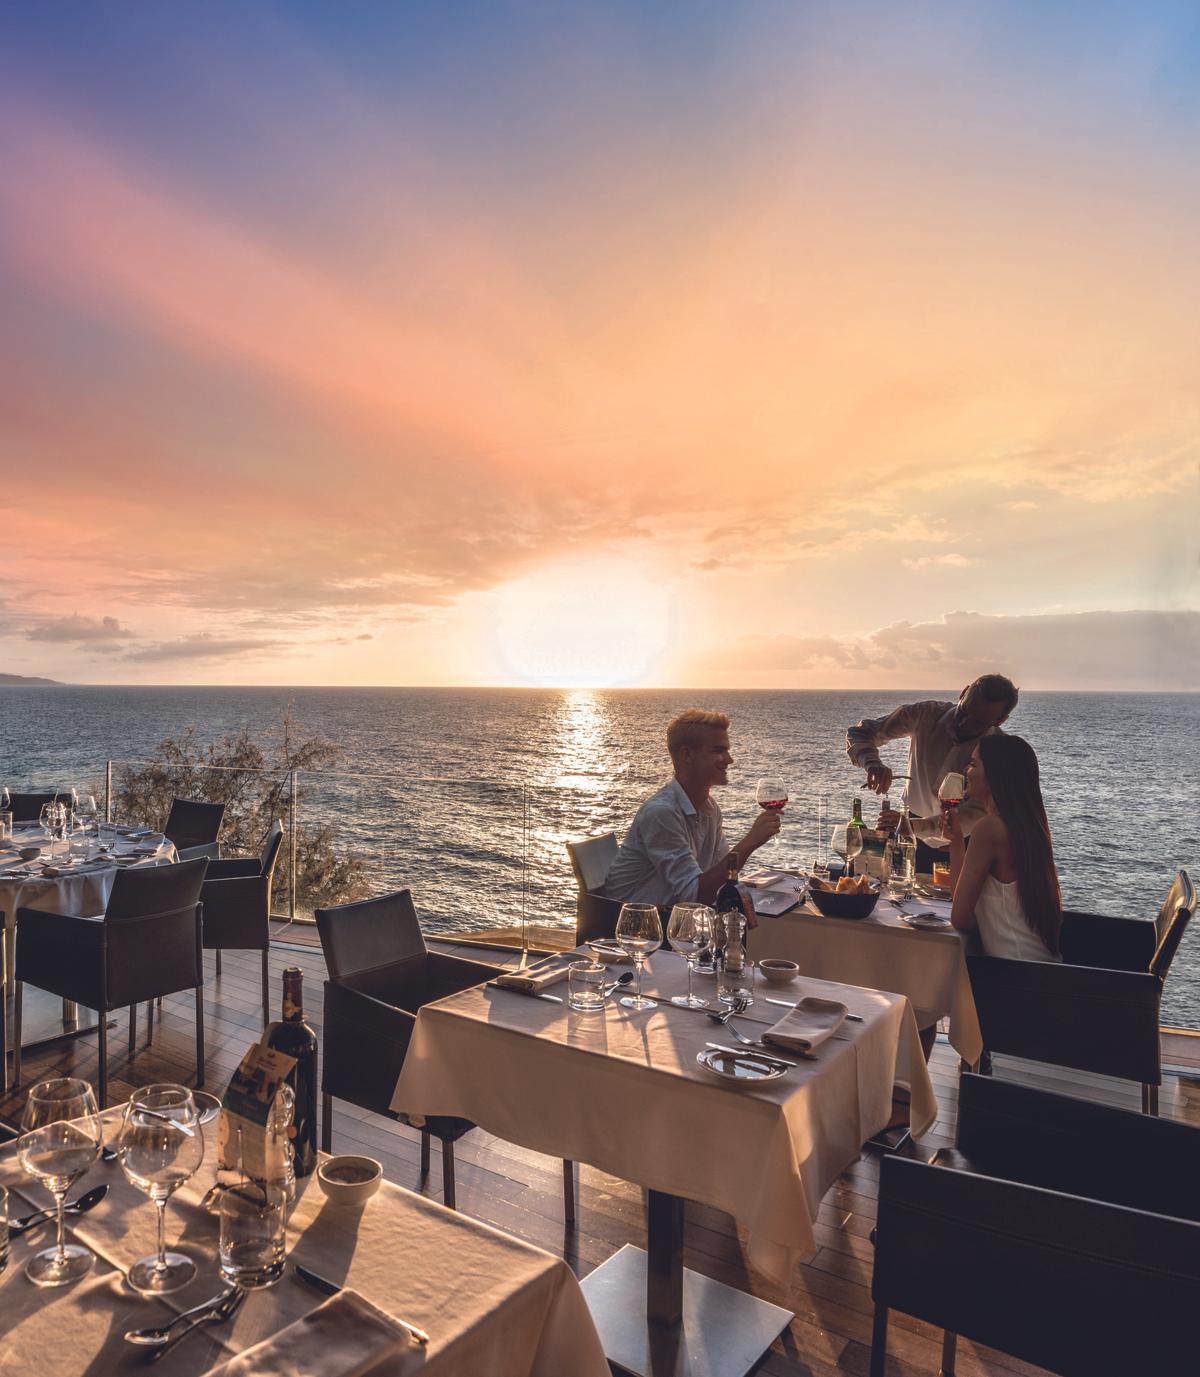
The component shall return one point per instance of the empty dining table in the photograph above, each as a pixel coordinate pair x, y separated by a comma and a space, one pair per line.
626, 1093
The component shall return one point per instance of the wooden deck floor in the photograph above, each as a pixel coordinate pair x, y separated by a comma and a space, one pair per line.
520, 1191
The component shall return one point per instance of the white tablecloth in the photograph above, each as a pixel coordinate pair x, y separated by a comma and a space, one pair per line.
493, 1306
623, 1091
882, 952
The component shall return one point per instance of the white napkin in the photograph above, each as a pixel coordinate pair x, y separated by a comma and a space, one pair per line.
343, 1337
538, 977
807, 1025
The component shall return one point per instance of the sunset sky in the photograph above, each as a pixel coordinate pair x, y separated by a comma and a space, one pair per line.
757, 344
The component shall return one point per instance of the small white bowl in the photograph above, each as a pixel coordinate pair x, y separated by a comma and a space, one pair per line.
778, 972
349, 1180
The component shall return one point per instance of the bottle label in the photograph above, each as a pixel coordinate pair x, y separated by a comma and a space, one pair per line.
291, 1010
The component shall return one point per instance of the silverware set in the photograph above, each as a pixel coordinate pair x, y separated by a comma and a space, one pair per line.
88, 1201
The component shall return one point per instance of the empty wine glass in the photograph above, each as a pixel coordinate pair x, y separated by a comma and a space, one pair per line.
690, 932
160, 1146
771, 794
60, 1139
639, 932
5, 799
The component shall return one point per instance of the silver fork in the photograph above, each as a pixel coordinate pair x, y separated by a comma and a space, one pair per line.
759, 1045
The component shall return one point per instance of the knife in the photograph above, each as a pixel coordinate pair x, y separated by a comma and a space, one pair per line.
331, 1288
755, 1053
788, 1004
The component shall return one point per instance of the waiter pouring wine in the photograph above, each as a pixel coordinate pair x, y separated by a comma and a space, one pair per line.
941, 737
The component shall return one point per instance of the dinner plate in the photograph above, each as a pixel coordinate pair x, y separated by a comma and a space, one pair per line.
744, 1067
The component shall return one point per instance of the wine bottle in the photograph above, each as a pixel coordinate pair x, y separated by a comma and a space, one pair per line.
292, 1036
854, 835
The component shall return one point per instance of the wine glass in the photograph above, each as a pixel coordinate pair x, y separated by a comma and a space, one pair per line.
951, 791
160, 1146
772, 794
61, 1136
89, 816
639, 932
690, 930
5, 799
853, 846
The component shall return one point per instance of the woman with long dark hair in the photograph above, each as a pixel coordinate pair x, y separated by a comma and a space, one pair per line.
1005, 884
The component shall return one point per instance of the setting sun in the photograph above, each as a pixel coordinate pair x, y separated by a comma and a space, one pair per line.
585, 624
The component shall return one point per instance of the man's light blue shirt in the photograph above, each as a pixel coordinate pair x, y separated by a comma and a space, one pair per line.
670, 843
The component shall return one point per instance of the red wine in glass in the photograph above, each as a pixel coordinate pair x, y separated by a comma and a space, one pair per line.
771, 794
950, 792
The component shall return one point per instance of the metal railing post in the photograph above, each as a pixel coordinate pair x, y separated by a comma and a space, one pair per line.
292, 849
108, 791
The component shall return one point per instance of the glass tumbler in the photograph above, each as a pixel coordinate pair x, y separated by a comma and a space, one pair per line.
585, 986
252, 1234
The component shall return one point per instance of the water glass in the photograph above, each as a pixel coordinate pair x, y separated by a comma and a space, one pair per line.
252, 1234
585, 986
5, 825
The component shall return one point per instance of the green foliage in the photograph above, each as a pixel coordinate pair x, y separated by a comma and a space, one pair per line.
252, 778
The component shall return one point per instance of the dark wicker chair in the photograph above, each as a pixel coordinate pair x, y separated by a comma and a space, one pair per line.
194, 828
1076, 1147
146, 944
380, 974
237, 907
1102, 1016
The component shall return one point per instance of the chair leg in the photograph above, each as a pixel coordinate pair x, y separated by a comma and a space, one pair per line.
218, 960
102, 1027
199, 1036
149, 1022
17, 999
424, 1153
132, 1029
326, 1123
949, 1347
879, 1342
448, 1173
569, 1192
266, 983
1149, 1099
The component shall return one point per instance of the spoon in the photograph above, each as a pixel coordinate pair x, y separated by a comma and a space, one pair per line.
619, 981
85, 1202
217, 1313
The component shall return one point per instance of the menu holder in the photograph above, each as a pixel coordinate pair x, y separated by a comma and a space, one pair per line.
246, 1110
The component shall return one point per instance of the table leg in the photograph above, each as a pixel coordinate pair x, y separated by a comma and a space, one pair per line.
658, 1319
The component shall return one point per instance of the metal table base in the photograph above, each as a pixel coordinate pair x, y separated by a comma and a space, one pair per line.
656, 1318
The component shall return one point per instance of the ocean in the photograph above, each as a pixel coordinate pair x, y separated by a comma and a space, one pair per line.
467, 795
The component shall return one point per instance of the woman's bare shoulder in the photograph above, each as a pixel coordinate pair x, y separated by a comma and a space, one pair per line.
990, 831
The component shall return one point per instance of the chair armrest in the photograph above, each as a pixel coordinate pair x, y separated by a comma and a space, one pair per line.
447, 975
232, 868
1096, 939
63, 954
190, 853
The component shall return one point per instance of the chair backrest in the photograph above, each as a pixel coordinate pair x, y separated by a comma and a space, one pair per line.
1079, 1147
150, 890
369, 934
1173, 917
1080, 1016
152, 939
192, 823
28, 807
591, 860
270, 851
1076, 1286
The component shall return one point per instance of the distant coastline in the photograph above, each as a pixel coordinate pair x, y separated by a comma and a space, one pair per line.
18, 680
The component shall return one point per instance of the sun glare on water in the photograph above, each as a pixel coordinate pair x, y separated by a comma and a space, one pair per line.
582, 625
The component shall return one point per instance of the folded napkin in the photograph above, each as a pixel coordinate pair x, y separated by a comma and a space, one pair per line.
343, 1337
807, 1025
538, 977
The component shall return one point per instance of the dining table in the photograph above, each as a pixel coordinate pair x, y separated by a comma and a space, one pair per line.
62, 883
883, 951
625, 1092
492, 1305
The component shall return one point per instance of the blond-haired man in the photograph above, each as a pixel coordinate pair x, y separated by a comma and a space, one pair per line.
676, 847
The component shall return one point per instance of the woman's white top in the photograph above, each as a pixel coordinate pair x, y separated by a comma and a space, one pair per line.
1003, 929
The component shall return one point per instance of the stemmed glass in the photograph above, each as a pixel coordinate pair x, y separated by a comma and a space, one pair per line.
5, 799
690, 930
89, 816
771, 794
639, 932
61, 1137
53, 818
161, 1145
